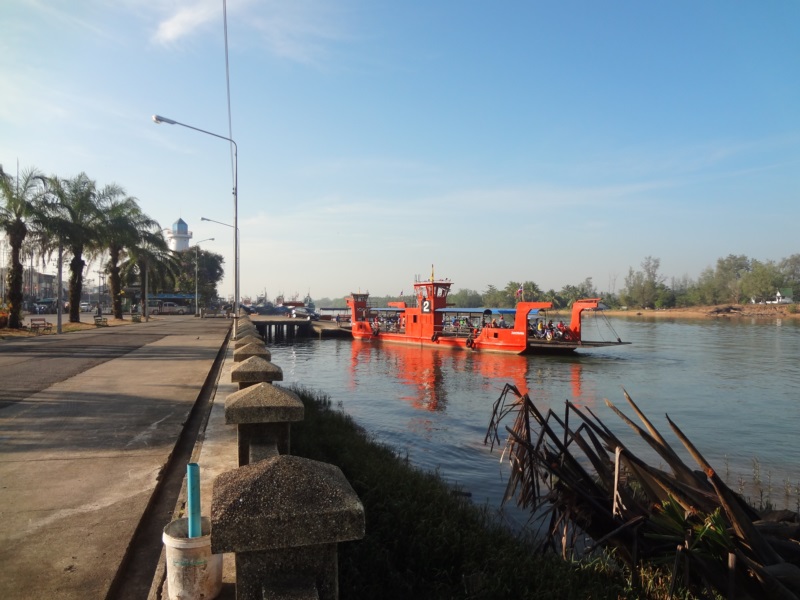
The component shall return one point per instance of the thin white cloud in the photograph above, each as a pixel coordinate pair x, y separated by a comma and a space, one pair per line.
301, 30
185, 18
69, 17
685, 160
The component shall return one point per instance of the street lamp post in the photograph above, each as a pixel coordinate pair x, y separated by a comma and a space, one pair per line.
157, 119
196, 262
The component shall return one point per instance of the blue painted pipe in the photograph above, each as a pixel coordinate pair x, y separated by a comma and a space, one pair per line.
193, 485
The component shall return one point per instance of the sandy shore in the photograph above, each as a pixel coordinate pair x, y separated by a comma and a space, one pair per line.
724, 311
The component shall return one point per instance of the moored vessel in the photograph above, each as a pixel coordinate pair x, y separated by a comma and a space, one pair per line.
429, 320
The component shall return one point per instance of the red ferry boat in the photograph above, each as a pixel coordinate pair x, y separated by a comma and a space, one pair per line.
431, 322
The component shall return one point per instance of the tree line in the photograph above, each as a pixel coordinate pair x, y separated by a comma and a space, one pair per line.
733, 280
79, 221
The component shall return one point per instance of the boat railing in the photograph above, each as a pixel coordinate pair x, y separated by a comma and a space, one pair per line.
450, 330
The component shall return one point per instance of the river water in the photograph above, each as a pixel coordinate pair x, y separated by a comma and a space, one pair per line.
732, 386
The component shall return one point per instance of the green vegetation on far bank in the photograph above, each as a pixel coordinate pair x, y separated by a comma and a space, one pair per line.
733, 280
423, 540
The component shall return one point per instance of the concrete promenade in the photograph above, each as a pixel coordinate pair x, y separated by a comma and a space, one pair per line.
88, 421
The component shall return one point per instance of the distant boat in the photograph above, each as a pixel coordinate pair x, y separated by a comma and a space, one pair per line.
309, 303
431, 322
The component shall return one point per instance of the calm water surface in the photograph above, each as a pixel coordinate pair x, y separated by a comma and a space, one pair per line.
733, 387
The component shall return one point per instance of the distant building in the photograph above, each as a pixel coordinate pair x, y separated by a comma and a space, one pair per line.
179, 236
782, 296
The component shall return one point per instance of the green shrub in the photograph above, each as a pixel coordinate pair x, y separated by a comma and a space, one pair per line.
424, 539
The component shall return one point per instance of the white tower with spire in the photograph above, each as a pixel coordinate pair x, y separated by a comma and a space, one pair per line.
179, 237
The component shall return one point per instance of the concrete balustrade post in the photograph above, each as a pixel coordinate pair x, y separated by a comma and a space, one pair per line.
245, 331
263, 414
248, 339
255, 370
284, 517
242, 353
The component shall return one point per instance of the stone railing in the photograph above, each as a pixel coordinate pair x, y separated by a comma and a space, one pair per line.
281, 515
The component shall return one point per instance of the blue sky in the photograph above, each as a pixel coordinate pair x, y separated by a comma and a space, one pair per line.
543, 141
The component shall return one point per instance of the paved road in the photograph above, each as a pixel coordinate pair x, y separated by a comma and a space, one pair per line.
87, 422
30, 365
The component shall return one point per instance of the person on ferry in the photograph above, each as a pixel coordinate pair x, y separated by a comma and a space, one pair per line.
561, 327
494, 323
502, 323
540, 328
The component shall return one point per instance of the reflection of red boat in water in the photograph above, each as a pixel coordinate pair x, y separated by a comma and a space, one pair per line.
419, 372
424, 371
431, 322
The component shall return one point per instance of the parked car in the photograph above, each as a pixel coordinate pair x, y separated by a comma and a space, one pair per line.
46, 305
86, 306
169, 308
301, 312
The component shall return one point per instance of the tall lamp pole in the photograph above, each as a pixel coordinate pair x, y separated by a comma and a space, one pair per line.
157, 119
196, 262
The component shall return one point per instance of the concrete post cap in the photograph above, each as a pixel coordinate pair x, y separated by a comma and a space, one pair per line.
263, 403
283, 502
248, 339
253, 349
255, 370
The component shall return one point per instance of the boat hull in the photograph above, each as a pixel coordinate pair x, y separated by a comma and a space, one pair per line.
505, 342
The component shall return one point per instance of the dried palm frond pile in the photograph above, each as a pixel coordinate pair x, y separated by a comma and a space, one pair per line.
590, 484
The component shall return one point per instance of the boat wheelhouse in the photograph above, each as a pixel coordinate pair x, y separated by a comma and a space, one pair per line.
430, 321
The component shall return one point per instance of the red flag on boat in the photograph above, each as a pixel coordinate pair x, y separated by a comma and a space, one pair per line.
519, 291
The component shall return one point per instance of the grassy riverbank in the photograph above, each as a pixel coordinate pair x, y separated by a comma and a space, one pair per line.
724, 311
423, 540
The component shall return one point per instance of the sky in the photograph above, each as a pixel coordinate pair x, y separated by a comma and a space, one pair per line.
514, 141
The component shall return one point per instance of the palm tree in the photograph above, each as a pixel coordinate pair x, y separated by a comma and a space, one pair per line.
74, 217
19, 207
150, 261
125, 226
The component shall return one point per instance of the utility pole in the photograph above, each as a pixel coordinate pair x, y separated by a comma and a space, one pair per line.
30, 279
99, 287
3, 271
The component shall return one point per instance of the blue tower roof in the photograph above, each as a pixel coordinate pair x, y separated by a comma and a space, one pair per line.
180, 227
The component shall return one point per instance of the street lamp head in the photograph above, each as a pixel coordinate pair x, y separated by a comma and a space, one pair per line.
158, 119
217, 222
